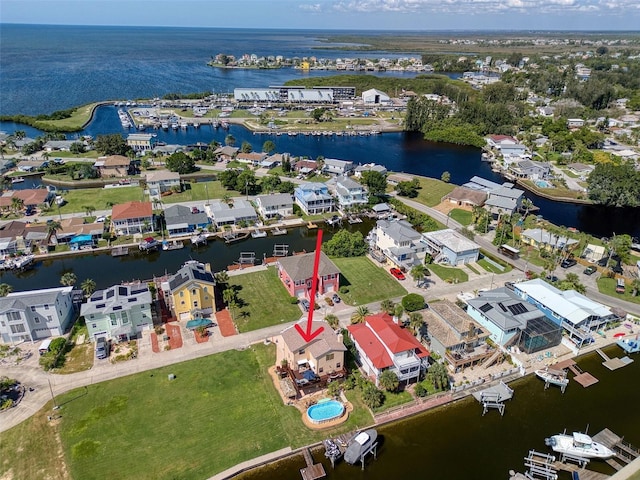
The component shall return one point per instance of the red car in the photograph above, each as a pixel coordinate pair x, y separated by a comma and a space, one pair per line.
396, 272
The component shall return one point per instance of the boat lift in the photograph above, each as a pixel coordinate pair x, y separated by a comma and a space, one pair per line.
280, 250
247, 258
540, 465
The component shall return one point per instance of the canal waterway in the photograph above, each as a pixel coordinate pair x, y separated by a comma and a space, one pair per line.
456, 442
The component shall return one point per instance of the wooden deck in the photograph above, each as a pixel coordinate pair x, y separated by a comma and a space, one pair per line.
625, 452
613, 363
312, 471
583, 378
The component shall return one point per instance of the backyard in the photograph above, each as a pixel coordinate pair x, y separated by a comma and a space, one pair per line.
218, 411
98, 198
449, 274
200, 191
256, 291
366, 282
608, 287
432, 191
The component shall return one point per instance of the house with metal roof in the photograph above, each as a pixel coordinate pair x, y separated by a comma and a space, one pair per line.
383, 345
578, 315
141, 142
190, 291
337, 167
348, 192
296, 274
543, 239
119, 313
240, 211
181, 220
399, 242
504, 199
313, 198
369, 167
275, 205
323, 355
512, 321
35, 314
450, 247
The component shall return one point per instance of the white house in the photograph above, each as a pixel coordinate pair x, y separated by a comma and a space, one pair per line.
399, 242
275, 205
450, 247
160, 182
223, 214
337, 167
375, 97
348, 192
35, 314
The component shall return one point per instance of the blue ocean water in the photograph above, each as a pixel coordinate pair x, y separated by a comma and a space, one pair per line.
45, 68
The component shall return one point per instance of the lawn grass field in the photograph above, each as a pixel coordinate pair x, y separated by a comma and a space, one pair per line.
449, 273
78, 119
99, 198
393, 399
461, 216
200, 191
432, 191
264, 300
366, 282
219, 411
608, 287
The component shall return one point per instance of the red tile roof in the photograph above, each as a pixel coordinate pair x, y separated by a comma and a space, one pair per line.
370, 345
124, 211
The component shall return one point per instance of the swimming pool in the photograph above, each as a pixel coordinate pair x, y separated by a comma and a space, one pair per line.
326, 409
542, 184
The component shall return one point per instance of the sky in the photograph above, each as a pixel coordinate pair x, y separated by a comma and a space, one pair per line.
334, 14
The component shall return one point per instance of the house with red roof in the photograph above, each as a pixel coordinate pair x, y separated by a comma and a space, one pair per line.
132, 217
383, 345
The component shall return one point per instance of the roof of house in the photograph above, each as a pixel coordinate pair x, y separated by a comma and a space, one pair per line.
502, 138
134, 209
116, 298
379, 335
251, 156
399, 230
275, 199
116, 161
506, 192
504, 309
179, 214
162, 175
29, 196
347, 183
452, 240
223, 213
479, 183
334, 162
327, 341
226, 150
568, 304
300, 267
29, 298
543, 236
191, 271
464, 194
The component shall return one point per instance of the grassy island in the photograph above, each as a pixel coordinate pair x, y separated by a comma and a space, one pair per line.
71, 120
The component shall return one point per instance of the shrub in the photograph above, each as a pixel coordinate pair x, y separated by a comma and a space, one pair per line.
372, 397
413, 302
420, 390
293, 300
333, 390
344, 289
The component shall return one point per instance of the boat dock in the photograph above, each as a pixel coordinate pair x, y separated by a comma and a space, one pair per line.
629, 345
119, 251
614, 363
312, 471
494, 397
583, 378
625, 452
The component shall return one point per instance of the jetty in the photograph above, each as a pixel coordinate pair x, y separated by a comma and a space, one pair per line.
312, 471
231, 237
613, 363
583, 378
494, 397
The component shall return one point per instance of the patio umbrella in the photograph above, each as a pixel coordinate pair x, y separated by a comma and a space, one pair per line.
199, 322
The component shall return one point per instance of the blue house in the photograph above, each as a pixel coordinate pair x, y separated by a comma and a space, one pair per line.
313, 198
182, 220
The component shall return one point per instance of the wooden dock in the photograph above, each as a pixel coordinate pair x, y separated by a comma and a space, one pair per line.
583, 378
625, 452
613, 363
312, 471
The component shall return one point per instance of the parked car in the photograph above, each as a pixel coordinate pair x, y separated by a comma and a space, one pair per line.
552, 278
568, 262
335, 298
101, 219
620, 286
305, 304
590, 270
396, 272
102, 348
195, 210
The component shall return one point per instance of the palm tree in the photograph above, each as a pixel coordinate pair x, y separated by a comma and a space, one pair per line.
387, 306
230, 297
360, 314
417, 272
5, 289
222, 278
398, 310
68, 279
53, 226
88, 209
88, 286
415, 321
332, 320
635, 286
16, 204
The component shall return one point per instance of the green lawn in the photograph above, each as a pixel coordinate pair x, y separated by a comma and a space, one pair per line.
461, 216
70, 156
265, 301
366, 282
98, 198
489, 267
213, 191
449, 273
608, 287
393, 399
220, 410
78, 119
432, 191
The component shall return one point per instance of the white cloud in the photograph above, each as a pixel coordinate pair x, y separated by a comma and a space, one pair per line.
310, 7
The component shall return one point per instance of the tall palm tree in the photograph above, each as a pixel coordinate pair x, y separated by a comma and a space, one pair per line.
359, 315
222, 278
68, 279
88, 286
5, 289
88, 209
16, 204
418, 272
387, 306
415, 321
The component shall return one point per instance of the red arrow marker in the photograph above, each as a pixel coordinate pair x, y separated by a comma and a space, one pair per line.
307, 335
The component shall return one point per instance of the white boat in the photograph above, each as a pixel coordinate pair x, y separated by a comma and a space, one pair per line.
279, 231
172, 245
199, 239
257, 233
579, 445
17, 180
360, 445
552, 377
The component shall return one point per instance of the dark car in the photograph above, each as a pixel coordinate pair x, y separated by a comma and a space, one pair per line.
305, 304
552, 278
568, 262
335, 298
590, 270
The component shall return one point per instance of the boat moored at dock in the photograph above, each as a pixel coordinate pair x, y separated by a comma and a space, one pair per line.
360, 445
578, 445
553, 377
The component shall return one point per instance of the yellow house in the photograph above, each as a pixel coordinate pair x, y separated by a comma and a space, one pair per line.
191, 291
305, 65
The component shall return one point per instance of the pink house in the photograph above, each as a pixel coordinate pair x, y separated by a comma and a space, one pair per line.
296, 273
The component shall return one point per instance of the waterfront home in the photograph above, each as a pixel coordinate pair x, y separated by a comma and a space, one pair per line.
369, 167
399, 242
167, 149
579, 316
511, 321
465, 197
181, 220
222, 214
504, 200
450, 247
333, 166
31, 315
75, 228
313, 198
118, 313
18, 237
323, 355
226, 153
296, 274
506, 145
132, 217
275, 205
161, 181
60, 145
374, 97
30, 198
542, 239
349, 193
455, 336
113, 166
305, 167
251, 158
382, 345
530, 169
6, 164
32, 165
190, 293
141, 142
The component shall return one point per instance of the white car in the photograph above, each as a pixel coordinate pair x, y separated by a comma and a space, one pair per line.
101, 219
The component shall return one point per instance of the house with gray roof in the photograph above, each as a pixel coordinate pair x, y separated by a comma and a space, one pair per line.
399, 242
369, 167
349, 193
530, 169
223, 214
296, 274
504, 199
275, 205
512, 321
543, 239
181, 220
450, 247
35, 314
118, 313
337, 167
313, 198
62, 145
